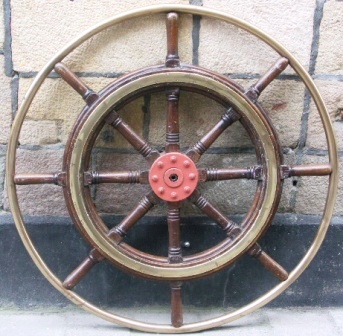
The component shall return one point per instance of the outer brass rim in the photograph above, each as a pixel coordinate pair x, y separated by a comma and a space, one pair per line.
106, 245
262, 300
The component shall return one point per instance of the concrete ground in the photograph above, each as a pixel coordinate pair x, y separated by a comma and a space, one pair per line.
278, 322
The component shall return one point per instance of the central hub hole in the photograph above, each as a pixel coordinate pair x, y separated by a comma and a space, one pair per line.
173, 177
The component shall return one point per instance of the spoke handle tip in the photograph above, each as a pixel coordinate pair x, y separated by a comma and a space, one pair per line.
272, 266
80, 272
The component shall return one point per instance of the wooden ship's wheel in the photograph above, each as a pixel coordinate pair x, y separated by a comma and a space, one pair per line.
173, 175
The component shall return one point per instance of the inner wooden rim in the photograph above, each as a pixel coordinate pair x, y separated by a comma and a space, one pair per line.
156, 261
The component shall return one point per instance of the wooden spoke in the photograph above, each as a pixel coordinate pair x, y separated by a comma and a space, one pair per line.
172, 59
233, 230
174, 250
57, 178
130, 176
88, 95
172, 129
205, 174
116, 234
175, 256
255, 90
93, 177
132, 137
119, 232
82, 270
214, 174
176, 304
268, 262
256, 172
206, 207
308, 170
227, 119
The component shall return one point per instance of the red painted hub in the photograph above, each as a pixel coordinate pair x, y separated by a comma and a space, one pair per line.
173, 177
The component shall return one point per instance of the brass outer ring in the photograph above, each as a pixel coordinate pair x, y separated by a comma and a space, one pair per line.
106, 246
213, 322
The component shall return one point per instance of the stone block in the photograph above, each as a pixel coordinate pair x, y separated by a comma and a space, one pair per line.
332, 93
57, 101
130, 45
2, 25
39, 199
231, 196
227, 49
312, 190
235, 196
41, 132
133, 115
198, 115
283, 101
119, 199
329, 58
6, 104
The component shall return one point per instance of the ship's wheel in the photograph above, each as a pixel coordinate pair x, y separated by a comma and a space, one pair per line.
171, 173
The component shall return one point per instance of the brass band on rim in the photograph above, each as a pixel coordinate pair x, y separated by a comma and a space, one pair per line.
213, 322
99, 113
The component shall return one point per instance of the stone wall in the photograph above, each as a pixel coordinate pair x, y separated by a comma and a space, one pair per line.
32, 31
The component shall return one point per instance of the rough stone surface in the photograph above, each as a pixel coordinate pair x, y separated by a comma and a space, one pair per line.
57, 101
133, 115
337, 316
288, 189
61, 246
235, 196
2, 25
266, 321
6, 106
198, 115
119, 198
329, 58
39, 199
289, 22
232, 196
40, 132
2, 179
128, 46
332, 93
283, 101
312, 190
321, 323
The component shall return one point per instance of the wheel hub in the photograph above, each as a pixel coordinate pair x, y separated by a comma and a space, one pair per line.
173, 177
